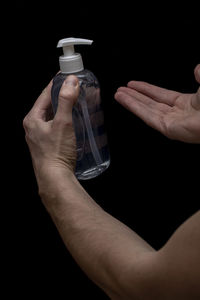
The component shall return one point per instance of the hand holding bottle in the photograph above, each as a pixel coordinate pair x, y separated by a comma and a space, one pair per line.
52, 142
174, 114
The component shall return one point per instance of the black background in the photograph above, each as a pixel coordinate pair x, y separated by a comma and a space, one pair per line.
152, 184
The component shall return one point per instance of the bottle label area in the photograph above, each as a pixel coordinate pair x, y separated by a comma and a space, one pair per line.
88, 120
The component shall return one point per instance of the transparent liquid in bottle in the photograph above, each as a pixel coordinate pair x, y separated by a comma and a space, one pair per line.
92, 147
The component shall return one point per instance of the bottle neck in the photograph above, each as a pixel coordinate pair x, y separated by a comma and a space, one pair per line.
71, 64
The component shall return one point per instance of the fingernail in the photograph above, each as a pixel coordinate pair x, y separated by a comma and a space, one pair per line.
71, 80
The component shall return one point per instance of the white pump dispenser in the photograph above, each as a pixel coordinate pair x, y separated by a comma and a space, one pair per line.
71, 62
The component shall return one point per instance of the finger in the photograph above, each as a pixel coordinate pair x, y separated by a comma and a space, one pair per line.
67, 98
42, 105
151, 117
145, 99
155, 92
197, 73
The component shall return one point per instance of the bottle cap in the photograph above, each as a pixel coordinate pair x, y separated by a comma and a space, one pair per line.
71, 62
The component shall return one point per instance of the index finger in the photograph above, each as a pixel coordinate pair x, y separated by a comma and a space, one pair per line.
156, 93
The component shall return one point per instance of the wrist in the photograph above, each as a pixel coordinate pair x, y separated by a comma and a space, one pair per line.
53, 180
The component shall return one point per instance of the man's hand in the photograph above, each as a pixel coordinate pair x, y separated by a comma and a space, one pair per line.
174, 114
52, 141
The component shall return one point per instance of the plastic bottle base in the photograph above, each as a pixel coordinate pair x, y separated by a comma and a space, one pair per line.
93, 172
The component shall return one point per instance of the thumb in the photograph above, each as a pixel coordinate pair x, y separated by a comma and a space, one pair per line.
197, 73
67, 98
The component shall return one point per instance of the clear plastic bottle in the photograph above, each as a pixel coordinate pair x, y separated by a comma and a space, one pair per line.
92, 147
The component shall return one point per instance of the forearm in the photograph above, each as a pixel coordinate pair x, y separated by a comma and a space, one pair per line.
102, 246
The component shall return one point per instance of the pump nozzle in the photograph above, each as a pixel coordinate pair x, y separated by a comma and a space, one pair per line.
71, 62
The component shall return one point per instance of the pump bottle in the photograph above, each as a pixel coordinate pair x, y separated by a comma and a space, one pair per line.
88, 120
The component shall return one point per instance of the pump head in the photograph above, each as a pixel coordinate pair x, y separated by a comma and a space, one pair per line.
71, 62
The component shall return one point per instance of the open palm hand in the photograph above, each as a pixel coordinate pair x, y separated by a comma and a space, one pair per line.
174, 114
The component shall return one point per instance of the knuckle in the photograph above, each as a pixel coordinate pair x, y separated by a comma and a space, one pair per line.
26, 122
63, 122
29, 123
67, 95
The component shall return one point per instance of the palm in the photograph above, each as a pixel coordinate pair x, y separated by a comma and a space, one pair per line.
174, 114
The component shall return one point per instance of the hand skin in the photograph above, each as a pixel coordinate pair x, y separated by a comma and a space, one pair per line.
174, 114
111, 254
